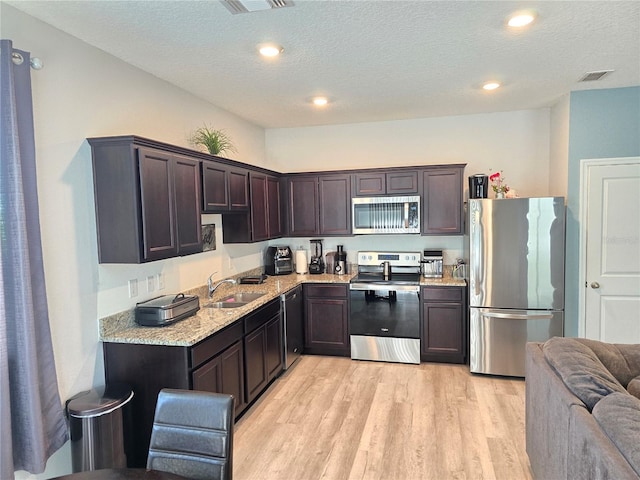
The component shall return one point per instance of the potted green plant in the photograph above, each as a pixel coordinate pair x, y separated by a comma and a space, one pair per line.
215, 141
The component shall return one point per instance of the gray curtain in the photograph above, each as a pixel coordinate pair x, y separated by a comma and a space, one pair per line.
32, 421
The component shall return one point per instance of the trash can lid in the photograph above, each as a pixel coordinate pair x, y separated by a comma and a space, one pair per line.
99, 401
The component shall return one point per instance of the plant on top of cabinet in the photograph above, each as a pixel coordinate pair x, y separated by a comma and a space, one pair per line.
215, 141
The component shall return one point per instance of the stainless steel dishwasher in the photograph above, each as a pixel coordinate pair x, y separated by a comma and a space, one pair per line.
292, 320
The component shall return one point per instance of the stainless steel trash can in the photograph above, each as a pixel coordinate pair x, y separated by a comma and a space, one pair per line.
97, 421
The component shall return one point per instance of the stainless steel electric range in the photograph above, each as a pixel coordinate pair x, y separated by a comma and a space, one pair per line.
384, 318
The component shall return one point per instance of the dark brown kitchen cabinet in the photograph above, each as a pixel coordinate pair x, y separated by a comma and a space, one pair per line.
319, 205
442, 206
335, 204
215, 187
224, 373
263, 348
303, 206
147, 201
444, 327
264, 221
327, 319
395, 182
238, 189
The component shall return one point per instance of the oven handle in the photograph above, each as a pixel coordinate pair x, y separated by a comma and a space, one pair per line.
383, 287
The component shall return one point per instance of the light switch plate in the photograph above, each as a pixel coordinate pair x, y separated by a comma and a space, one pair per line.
151, 283
160, 279
133, 288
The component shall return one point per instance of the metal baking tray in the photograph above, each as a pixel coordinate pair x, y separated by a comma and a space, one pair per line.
165, 310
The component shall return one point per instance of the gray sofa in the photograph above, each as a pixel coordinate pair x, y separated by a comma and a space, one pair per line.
583, 409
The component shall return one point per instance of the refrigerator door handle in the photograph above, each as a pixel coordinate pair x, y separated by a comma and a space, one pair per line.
519, 316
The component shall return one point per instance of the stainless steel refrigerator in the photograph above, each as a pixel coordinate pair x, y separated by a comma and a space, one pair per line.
516, 279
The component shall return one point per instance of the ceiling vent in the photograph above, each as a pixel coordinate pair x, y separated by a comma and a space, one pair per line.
246, 6
592, 76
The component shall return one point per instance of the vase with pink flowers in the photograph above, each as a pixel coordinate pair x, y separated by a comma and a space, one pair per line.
497, 184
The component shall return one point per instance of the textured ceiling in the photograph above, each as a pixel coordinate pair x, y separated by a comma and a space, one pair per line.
375, 60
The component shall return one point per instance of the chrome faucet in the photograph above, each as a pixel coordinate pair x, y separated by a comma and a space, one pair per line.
213, 288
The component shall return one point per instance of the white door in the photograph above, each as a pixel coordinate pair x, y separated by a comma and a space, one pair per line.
610, 237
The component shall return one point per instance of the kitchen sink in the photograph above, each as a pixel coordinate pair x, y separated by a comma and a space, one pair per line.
234, 301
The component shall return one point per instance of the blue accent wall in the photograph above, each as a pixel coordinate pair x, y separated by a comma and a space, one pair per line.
602, 124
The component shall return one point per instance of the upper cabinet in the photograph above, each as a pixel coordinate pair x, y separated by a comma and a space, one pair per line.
147, 201
395, 182
224, 188
319, 205
442, 207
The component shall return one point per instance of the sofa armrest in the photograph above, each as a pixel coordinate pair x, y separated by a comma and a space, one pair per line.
548, 404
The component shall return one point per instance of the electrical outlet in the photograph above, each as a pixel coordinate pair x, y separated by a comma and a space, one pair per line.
133, 288
160, 279
151, 286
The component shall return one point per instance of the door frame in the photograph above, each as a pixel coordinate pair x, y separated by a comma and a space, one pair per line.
585, 166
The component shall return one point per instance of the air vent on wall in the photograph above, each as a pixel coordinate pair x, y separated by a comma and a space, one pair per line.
592, 76
246, 6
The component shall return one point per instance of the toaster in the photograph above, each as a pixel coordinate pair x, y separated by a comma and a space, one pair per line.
165, 310
278, 261
431, 264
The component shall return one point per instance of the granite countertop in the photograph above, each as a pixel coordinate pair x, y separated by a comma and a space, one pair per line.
121, 327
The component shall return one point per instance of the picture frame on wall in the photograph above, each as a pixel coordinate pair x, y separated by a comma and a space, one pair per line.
208, 237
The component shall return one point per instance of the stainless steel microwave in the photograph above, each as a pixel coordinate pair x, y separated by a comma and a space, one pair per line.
380, 215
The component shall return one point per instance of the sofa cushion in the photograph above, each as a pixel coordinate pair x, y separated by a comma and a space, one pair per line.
619, 417
581, 370
634, 387
622, 360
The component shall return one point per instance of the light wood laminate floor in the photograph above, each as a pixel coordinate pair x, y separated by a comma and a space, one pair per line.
335, 418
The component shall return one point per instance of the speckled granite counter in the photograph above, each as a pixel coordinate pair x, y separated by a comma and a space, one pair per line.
121, 327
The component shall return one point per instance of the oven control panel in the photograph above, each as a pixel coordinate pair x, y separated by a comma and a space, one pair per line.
395, 259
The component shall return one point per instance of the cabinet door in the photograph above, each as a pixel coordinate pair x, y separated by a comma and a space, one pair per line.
208, 378
157, 201
335, 204
367, 184
442, 209
215, 187
186, 173
442, 329
255, 345
402, 183
303, 206
238, 189
259, 207
274, 208
274, 350
327, 319
232, 375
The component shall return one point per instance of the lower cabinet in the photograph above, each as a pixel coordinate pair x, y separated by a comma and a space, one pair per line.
327, 319
443, 334
263, 348
229, 361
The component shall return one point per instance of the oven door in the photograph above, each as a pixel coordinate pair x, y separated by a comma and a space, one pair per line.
384, 310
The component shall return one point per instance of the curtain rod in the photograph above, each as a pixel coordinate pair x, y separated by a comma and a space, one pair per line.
35, 62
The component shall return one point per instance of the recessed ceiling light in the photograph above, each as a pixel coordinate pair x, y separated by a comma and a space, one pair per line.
521, 19
320, 101
270, 49
491, 85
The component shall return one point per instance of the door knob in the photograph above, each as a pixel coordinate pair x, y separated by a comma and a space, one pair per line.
595, 285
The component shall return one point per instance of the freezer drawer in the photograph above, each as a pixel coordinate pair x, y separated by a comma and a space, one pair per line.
498, 337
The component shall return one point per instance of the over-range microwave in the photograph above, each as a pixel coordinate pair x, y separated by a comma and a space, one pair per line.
380, 215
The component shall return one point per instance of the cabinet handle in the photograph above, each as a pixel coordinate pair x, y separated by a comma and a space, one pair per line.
384, 329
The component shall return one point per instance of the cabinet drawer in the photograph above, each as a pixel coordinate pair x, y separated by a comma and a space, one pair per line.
215, 344
442, 294
261, 316
326, 290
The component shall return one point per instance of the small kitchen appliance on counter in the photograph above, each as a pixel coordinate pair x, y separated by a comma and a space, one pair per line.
316, 264
165, 310
478, 186
431, 264
340, 263
278, 260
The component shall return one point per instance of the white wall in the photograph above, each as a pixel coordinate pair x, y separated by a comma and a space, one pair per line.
515, 142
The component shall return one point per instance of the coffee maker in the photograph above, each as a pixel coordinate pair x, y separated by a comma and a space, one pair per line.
316, 264
478, 186
340, 264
